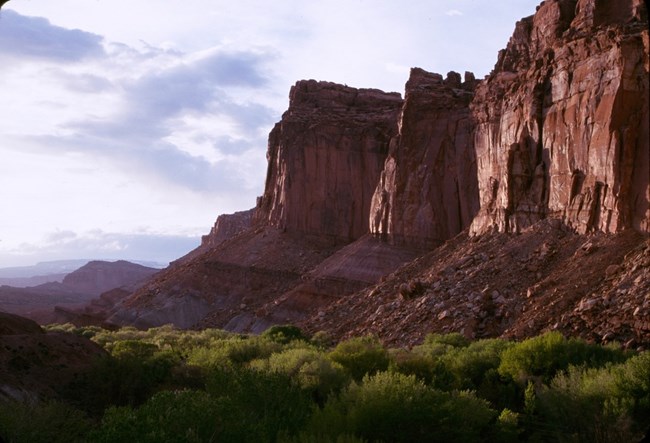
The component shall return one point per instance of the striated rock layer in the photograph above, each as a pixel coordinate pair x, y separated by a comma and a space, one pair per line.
562, 121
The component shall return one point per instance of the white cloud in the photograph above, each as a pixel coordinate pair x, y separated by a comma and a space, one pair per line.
453, 12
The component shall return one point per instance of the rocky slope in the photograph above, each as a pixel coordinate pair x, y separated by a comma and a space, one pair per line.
512, 285
38, 365
536, 179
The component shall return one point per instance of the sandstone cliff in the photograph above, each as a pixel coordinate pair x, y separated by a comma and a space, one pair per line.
227, 226
428, 190
325, 157
562, 121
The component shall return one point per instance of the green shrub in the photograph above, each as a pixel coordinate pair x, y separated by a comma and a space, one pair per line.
398, 408
453, 339
266, 403
308, 367
129, 377
232, 351
543, 356
423, 367
49, 422
470, 364
361, 356
284, 334
186, 416
582, 404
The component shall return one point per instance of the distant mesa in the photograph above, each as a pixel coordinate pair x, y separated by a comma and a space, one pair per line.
75, 289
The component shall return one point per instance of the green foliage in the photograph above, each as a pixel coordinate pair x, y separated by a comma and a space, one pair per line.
284, 334
608, 404
170, 385
265, 403
49, 422
187, 416
399, 408
232, 351
470, 364
361, 356
309, 368
545, 355
423, 367
508, 426
322, 340
454, 339
128, 377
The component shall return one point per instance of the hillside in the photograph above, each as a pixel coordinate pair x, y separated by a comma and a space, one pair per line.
75, 290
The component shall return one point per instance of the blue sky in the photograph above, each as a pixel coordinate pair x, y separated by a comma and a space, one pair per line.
128, 127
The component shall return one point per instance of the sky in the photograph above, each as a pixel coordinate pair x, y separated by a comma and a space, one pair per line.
127, 127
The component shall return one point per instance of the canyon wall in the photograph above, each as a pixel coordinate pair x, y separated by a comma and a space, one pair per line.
428, 190
325, 157
562, 122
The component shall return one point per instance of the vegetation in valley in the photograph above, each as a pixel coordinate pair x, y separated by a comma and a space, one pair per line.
170, 385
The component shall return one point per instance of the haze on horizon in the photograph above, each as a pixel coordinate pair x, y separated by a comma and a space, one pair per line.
127, 128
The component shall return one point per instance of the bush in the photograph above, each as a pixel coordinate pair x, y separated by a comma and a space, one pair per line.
49, 422
187, 416
232, 351
470, 364
266, 403
543, 356
423, 367
129, 377
582, 404
284, 334
361, 356
398, 408
308, 367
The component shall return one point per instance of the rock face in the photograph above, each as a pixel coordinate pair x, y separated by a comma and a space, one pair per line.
562, 121
227, 226
325, 158
428, 190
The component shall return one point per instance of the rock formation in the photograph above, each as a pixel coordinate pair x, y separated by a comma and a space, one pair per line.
552, 145
562, 121
325, 158
428, 192
227, 226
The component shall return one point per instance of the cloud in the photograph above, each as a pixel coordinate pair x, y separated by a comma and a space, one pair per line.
453, 12
97, 244
180, 119
36, 37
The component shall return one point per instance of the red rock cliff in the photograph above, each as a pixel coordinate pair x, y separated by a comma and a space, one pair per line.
562, 121
325, 157
428, 191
